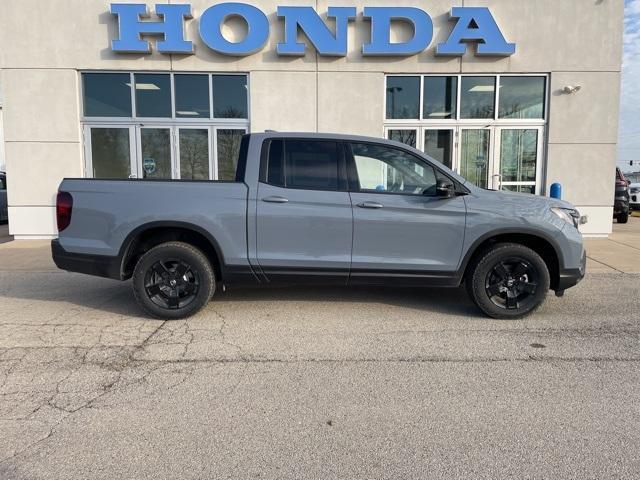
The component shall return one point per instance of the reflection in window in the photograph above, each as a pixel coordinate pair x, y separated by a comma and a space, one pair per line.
384, 169
228, 152
403, 97
520, 188
110, 153
194, 154
477, 97
440, 97
229, 96
107, 94
156, 152
474, 155
192, 96
518, 155
522, 97
153, 95
408, 137
438, 144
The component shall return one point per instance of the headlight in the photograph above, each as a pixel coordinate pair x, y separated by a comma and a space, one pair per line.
569, 215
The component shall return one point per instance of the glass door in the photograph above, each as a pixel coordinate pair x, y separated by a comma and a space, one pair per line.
110, 151
408, 136
518, 159
439, 144
476, 156
155, 152
194, 153
227, 145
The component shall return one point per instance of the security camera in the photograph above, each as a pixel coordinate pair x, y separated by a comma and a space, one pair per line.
569, 89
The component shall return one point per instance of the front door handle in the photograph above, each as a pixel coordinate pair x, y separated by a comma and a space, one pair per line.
275, 199
370, 205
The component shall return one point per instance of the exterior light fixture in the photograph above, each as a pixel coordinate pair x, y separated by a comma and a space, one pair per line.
569, 89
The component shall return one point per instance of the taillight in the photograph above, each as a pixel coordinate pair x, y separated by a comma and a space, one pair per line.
64, 206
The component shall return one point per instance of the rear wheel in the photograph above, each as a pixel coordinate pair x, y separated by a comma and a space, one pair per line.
173, 280
623, 217
508, 281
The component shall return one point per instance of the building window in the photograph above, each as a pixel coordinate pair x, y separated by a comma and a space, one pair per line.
488, 128
403, 97
164, 125
192, 96
107, 94
440, 97
522, 97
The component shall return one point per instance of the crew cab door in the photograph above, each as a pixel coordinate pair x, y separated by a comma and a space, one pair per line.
304, 219
402, 230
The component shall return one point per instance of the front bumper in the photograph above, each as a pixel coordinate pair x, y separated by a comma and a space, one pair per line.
98, 265
571, 277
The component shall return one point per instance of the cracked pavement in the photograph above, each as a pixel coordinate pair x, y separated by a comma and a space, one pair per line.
313, 383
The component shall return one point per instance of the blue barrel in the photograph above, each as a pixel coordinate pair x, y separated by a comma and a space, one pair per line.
556, 191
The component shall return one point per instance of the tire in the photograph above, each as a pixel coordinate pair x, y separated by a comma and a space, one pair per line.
508, 281
162, 291
623, 217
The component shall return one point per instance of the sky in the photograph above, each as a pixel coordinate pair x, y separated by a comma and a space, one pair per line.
629, 136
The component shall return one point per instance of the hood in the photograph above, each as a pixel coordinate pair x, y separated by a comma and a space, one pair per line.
515, 199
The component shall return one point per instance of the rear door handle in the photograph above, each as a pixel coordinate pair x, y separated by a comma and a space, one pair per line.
370, 205
275, 199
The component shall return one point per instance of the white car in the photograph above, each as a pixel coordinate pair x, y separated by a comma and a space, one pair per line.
634, 196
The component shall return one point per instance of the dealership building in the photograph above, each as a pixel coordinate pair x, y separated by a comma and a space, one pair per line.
514, 95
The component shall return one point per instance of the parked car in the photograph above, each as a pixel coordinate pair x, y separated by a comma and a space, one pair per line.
320, 209
4, 214
634, 196
621, 200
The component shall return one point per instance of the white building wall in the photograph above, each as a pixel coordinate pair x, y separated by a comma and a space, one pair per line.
46, 44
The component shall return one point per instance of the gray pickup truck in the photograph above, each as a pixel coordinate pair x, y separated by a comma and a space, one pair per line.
319, 209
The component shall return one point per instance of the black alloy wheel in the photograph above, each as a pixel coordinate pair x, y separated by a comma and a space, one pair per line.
172, 283
512, 283
508, 281
173, 280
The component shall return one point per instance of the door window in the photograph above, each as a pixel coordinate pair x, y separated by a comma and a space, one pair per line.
110, 152
194, 153
475, 150
156, 152
389, 170
228, 142
438, 144
303, 164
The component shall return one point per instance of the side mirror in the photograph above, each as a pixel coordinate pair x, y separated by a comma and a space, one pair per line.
445, 189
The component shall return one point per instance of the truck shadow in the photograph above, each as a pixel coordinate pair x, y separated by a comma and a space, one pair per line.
80, 291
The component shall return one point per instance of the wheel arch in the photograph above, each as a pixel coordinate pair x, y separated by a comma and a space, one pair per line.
543, 245
149, 235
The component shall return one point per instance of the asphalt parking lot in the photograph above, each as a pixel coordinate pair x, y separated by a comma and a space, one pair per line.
317, 383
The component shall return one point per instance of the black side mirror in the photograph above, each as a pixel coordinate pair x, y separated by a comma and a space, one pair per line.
445, 189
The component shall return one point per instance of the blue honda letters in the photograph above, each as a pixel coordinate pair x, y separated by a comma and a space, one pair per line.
472, 25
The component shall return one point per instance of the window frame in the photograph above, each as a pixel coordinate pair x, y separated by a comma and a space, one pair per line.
421, 121
173, 119
354, 179
342, 163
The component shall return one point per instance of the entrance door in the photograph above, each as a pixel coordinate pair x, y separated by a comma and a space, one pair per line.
518, 158
440, 144
476, 162
194, 153
110, 151
155, 152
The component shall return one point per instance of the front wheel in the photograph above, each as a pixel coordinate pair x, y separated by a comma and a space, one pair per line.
508, 281
173, 280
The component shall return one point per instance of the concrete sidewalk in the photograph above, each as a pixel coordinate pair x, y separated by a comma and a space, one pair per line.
620, 253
